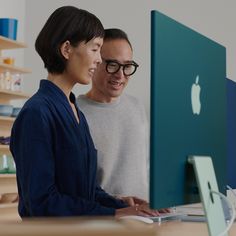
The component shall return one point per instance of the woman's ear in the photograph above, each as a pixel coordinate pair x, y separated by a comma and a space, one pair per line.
66, 49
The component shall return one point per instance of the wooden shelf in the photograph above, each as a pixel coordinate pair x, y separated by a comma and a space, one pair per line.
9, 205
13, 95
6, 43
9, 213
7, 176
8, 181
7, 119
5, 67
4, 148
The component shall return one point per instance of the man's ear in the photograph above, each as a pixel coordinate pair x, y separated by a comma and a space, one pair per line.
66, 49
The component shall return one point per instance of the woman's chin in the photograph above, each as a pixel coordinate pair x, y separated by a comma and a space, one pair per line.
84, 81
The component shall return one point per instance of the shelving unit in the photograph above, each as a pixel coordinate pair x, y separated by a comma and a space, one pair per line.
8, 176
4, 149
6, 119
15, 69
6, 43
7, 95
8, 181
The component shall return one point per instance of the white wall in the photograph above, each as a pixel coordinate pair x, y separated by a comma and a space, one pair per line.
213, 18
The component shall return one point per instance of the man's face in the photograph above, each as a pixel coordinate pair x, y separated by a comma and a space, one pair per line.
107, 87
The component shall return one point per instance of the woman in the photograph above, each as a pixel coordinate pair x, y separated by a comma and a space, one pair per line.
54, 153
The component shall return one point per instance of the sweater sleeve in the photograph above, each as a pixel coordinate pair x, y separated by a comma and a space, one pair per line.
31, 146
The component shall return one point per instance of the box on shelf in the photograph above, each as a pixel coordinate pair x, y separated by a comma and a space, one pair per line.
8, 28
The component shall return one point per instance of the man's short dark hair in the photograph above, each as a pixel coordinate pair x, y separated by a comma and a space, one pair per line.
65, 23
114, 33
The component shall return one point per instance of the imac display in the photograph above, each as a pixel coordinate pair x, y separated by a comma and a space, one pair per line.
231, 133
188, 110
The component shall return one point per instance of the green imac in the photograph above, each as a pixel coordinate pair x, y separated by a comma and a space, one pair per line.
188, 119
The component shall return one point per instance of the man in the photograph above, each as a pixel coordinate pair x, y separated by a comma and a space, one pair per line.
117, 121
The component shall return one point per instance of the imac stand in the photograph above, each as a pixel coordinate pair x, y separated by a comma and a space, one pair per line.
207, 184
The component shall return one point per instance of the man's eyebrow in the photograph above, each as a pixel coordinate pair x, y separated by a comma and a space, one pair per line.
127, 61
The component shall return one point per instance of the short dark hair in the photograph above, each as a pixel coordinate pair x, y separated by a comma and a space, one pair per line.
65, 23
114, 33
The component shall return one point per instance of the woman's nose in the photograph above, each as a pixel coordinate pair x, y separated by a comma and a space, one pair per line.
99, 59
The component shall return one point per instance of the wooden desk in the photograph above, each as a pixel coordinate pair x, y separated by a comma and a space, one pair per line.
76, 227
102, 227
178, 228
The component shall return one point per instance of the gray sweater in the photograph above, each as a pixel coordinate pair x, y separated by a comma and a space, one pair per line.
120, 134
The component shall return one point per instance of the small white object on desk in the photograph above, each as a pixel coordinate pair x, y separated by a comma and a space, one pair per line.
138, 218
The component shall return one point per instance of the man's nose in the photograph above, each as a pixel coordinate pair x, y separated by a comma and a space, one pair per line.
120, 73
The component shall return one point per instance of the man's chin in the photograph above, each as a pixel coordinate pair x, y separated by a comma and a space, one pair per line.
115, 95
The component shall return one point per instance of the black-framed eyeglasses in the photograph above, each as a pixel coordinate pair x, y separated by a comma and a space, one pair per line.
113, 66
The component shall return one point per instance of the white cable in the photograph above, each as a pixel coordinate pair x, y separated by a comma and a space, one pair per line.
231, 190
230, 206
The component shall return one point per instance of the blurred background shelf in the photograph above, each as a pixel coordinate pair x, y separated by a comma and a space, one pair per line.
4, 147
6, 43
8, 176
8, 180
10, 95
5, 67
9, 212
7, 119
8, 183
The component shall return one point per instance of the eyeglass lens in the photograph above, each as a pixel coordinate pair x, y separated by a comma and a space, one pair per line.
128, 69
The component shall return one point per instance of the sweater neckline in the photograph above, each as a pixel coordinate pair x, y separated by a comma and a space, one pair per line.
100, 104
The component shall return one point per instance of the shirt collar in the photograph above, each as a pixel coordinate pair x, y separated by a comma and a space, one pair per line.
49, 88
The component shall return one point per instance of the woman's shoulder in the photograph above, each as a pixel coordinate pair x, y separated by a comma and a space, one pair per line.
36, 102
37, 107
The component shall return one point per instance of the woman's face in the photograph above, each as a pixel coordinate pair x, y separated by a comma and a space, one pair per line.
83, 60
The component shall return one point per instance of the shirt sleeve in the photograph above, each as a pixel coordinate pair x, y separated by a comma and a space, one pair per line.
32, 149
107, 200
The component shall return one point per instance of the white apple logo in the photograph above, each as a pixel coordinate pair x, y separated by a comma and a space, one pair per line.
195, 97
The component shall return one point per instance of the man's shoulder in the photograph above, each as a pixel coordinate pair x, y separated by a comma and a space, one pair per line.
81, 97
131, 99
82, 101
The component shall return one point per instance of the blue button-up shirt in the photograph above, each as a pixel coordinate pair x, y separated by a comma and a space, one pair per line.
56, 160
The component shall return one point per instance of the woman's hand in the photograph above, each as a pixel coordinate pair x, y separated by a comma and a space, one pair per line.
132, 201
138, 206
141, 210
